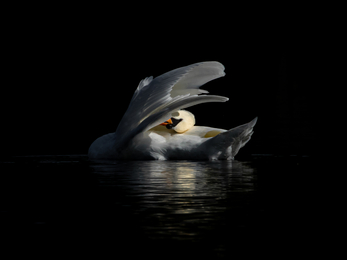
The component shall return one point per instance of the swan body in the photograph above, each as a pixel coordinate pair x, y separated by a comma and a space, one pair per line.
142, 135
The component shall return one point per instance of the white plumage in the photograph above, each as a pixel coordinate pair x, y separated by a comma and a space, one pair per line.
140, 136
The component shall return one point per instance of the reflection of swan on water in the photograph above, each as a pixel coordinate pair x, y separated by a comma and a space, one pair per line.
155, 126
201, 177
176, 187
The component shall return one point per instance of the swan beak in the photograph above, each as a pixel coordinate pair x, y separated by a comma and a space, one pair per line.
167, 122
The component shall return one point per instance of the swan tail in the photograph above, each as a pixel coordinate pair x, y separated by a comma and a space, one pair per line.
241, 134
227, 144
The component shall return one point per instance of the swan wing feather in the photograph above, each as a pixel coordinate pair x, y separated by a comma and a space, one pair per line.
153, 96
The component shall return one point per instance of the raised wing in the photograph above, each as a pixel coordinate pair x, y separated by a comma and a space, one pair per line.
155, 99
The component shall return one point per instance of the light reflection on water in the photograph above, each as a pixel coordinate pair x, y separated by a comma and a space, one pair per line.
162, 207
180, 199
138, 201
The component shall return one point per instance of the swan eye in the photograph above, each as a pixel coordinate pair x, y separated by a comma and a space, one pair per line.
175, 114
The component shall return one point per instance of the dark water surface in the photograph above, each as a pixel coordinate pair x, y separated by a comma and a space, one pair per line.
154, 207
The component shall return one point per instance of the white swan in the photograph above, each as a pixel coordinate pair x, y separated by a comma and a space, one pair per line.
142, 135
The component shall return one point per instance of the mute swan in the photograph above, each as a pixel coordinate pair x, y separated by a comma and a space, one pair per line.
155, 126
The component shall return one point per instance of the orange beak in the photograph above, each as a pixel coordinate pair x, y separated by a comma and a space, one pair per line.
167, 122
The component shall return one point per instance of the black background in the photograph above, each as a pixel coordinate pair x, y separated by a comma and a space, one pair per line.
69, 74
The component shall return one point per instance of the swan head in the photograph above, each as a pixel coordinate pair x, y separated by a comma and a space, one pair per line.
181, 121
